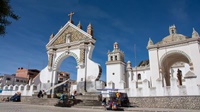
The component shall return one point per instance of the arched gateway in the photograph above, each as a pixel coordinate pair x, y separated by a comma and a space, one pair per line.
72, 41
175, 48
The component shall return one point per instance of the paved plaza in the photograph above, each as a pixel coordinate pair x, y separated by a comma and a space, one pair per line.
19, 107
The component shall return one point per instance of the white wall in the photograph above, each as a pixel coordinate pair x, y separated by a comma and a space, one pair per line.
118, 77
25, 90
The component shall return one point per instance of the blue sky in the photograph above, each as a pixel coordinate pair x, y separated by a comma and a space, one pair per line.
128, 22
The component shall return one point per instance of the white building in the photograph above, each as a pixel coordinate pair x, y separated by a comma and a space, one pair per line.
172, 68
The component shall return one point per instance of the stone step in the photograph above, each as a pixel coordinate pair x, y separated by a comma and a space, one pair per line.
63, 104
88, 97
41, 101
93, 107
89, 103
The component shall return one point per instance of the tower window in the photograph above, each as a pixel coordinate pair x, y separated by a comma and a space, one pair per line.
115, 57
113, 73
139, 76
111, 58
172, 31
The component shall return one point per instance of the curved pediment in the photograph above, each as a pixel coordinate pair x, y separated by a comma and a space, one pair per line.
172, 38
69, 34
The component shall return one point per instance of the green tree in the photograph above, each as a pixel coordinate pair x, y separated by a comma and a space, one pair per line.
6, 12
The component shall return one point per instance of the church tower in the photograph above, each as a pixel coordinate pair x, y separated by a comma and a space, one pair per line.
172, 30
115, 68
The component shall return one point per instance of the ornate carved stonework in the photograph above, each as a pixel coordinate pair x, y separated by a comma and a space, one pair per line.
60, 40
74, 36
82, 55
63, 55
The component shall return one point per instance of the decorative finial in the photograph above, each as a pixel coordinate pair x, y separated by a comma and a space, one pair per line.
129, 66
150, 42
51, 36
115, 46
90, 29
195, 34
70, 17
79, 25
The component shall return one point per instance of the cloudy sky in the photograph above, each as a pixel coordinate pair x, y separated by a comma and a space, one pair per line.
128, 22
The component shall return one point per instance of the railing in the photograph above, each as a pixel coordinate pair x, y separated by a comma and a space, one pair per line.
55, 86
36, 79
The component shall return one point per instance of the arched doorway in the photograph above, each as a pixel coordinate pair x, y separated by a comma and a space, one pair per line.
66, 70
71, 41
168, 60
69, 65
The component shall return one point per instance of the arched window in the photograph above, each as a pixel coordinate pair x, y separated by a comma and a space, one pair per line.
139, 76
111, 58
172, 31
115, 57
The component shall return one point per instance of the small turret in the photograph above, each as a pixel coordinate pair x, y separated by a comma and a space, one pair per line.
195, 34
116, 54
129, 66
90, 29
79, 25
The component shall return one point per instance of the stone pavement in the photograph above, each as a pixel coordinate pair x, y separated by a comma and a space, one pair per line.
20, 107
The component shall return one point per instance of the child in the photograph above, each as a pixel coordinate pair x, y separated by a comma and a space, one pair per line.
114, 105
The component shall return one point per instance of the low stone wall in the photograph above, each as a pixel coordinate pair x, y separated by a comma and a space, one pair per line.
173, 102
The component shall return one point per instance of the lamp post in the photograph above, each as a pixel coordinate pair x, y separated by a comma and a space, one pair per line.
85, 87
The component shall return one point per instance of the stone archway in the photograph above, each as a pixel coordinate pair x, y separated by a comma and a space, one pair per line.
72, 41
169, 59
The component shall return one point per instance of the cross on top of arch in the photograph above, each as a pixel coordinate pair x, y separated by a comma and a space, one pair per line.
70, 16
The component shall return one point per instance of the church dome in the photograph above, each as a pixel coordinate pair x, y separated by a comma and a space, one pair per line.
173, 37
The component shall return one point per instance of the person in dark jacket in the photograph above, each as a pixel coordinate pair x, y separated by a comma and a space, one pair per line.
40, 94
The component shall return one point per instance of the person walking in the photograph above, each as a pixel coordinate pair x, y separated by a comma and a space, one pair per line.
104, 104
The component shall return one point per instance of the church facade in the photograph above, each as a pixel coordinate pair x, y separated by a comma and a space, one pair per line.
172, 68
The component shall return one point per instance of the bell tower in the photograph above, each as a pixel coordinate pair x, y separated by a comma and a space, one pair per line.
115, 68
172, 30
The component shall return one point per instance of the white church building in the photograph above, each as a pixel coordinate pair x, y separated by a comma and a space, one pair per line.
172, 68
